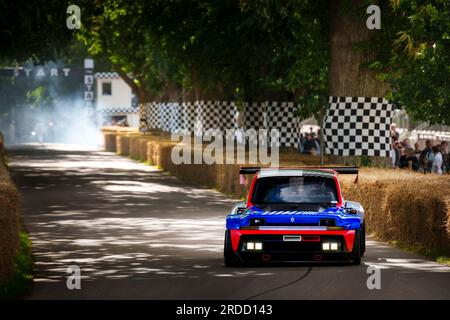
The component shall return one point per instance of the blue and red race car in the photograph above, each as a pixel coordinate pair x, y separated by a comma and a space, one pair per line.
295, 215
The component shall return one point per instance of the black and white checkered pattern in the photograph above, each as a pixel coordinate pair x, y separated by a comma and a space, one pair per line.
357, 126
117, 110
168, 116
187, 117
281, 116
107, 75
226, 114
152, 116
255, 116
205, 117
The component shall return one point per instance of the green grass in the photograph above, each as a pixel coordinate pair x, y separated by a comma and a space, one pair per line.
22, 280
435, 256
443, 260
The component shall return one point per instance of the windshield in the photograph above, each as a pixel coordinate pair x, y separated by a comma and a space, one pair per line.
284, 190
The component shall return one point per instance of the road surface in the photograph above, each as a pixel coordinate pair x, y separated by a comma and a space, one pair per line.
138, 233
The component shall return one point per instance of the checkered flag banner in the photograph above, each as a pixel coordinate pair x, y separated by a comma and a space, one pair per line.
357, 126
206, 117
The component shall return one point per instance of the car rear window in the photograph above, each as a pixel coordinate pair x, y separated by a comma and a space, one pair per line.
306, 189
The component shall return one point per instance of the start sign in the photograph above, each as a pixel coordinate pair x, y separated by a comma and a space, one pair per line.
40, 72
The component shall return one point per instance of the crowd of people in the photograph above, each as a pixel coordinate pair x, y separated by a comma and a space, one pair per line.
434, 157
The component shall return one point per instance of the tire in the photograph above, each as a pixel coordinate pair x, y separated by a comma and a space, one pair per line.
230, 258
356, 253
363, 239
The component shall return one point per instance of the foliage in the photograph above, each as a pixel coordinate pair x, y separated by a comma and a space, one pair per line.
116, 30
39, 97
239, 49
412, 53
34, 30
22, 280
248, 50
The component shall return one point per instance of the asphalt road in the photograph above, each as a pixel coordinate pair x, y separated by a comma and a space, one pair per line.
137, 233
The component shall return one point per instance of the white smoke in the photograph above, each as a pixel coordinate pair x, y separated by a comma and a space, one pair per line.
63, 119
66, 122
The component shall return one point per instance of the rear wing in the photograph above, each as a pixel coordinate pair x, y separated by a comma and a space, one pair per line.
249, 170
340, 170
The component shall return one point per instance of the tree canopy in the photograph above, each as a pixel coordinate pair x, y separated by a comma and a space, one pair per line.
245, 50
33, 30
412, 54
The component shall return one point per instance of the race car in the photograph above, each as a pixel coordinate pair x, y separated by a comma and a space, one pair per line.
295, 215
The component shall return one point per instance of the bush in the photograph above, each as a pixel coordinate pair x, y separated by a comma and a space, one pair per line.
21, 281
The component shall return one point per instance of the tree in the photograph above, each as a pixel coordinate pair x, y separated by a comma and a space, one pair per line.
411, 53
349, 75
34, 30
244, 50
117, 30
417, 67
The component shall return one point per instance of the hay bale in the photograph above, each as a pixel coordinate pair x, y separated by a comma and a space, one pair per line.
123, 145
110, 142
134, 147
143, 149
402, 206
9, 222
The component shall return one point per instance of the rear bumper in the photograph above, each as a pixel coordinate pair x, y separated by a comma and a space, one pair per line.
309, 248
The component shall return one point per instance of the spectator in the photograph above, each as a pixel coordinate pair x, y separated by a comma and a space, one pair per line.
424, 157
395, 153
406, 143
317, 142
445, 157
436, 164
398, 152
394, 133
302, 141
402, 162
417, 150
409, 160
309, 145
429, 160
412, 161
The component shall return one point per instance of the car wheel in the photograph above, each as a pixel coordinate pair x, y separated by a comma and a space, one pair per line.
230, 258
363, 240
356, 253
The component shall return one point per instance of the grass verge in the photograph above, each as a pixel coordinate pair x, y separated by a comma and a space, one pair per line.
435, 256
21, 281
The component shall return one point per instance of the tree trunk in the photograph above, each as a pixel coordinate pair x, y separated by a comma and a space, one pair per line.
347, 77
